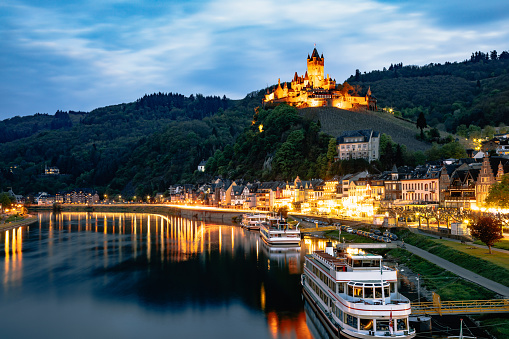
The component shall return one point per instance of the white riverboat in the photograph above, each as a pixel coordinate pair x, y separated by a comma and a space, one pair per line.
253, 221
277, 232
354, 295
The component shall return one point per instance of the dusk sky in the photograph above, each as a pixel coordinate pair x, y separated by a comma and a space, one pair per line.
80, 55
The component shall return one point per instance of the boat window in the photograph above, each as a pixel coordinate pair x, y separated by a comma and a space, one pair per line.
368, 292
351, 320
382, 325
357, 292
366, 324
393, 287
387, 291
341, 288
401, 324
378, 292
350, 290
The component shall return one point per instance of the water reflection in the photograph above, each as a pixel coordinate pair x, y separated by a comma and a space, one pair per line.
155, 264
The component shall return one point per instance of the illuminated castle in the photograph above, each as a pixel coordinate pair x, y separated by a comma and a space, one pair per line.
314, 90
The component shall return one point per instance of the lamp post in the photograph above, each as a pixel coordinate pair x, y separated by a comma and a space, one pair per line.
418, 288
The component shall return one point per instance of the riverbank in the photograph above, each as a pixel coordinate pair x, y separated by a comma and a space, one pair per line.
13, 224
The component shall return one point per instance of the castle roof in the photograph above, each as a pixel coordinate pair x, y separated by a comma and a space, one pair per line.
315, 54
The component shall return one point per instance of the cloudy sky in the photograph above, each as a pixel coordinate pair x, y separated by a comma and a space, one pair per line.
79, 55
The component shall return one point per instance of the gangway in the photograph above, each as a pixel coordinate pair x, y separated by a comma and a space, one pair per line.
438, 307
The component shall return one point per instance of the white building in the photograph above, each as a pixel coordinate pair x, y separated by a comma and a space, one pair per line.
360, 144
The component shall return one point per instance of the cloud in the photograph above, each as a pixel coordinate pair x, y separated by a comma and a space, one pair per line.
85, 55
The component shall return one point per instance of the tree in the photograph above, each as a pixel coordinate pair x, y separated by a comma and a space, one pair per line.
498, 195
488, 230
332, 150
421, 123
5, 201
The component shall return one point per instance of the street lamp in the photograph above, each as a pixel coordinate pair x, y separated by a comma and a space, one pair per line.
418, 288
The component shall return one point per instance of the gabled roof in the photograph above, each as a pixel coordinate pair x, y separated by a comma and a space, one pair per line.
367, 134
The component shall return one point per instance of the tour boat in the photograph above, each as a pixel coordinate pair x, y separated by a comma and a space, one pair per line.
354, 295
277, 232
253, 221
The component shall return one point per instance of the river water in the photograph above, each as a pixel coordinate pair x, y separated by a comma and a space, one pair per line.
117, 275
121, 275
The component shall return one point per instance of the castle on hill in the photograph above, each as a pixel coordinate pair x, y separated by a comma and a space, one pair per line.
313, 89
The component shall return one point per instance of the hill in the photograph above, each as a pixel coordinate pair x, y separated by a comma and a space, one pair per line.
334, 121
158, 134
472, 92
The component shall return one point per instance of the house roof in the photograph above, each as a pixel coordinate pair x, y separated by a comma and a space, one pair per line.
366, 134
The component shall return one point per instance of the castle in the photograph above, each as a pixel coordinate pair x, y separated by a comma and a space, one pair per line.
314, 90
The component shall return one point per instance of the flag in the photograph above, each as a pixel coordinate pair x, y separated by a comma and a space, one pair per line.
391, 323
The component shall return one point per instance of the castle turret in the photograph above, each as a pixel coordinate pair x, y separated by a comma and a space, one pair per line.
315, 69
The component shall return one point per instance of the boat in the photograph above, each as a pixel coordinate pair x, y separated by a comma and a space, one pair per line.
461, 336
278, 232
354, 295
253, 221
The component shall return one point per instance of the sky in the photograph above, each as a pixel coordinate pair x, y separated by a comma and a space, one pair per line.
80, 55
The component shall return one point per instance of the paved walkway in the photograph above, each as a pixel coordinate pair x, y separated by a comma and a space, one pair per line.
460, 271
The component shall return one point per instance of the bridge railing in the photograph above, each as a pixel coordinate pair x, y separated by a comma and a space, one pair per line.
460, 307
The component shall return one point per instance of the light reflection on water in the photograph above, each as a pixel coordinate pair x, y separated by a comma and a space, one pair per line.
134, 275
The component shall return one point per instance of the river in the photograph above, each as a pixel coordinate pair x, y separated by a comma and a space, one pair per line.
124, 275
105, 275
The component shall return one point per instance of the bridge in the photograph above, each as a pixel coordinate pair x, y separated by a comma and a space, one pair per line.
438, 307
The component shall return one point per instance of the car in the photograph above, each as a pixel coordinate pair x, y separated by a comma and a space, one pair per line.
349, 230
377, 232
386, 239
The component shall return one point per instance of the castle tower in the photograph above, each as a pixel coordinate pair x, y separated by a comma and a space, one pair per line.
315, 69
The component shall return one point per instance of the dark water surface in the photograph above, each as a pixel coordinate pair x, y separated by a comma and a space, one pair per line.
117, 275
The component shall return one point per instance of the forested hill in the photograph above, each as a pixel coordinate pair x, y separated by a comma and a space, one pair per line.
475, 91
148, 144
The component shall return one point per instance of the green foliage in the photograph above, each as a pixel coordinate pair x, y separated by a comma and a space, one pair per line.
472, 92
451, 150
499, 193
488, 230
288, 145
477, 265
5, 200
127, 146
448, 285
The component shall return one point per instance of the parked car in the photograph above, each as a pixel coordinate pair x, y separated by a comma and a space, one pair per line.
349, 230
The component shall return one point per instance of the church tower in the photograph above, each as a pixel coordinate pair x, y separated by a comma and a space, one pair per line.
315, 69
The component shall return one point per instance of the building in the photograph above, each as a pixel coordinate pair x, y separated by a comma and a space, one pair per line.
51, 170
361, 144
314, 89
201, 166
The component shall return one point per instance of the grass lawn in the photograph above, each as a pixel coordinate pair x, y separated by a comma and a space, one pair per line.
448, 285
348, 237
496, 324
494, 266
502, 244
497, 258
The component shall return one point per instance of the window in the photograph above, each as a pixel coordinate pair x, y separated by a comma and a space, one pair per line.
366, 324
352, 321
401, 324
382, 325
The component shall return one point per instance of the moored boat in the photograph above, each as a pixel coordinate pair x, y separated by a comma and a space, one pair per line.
278, 232
253, 221
355, 295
